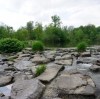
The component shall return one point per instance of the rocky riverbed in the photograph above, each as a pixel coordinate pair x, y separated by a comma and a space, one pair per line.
68, 75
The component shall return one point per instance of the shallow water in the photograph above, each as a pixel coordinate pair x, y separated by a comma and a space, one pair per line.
6, 90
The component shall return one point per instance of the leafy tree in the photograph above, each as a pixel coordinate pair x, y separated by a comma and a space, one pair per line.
56, 20
38, 29
30, 27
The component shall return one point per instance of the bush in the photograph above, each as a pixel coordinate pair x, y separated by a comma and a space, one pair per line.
37, 46
81, 46
9, 45
40, 70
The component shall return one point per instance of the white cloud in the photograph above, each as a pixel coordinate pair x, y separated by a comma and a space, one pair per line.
17, 13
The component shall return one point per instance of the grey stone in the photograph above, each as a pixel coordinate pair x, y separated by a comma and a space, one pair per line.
40, 60
5, 97
21, 65
49, 73
64, 62
20, 76
1, 94
95, 68
4, 80
27, 89
86, 54
71, 82
64, 57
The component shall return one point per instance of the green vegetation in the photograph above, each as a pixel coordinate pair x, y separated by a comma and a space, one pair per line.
9, 45
81, 46
11, 59
37, 46
40, 70
53, 34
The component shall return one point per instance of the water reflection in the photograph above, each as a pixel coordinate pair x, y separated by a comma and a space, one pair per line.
6, 90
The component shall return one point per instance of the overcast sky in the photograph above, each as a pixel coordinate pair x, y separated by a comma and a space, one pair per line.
17, 13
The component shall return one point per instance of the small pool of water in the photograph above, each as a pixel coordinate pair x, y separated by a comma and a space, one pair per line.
6, 90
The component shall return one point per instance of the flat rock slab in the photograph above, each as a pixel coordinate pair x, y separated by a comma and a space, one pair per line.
40, 60
86, 54
27, 89
64, 57
49, 73
95, 68
21, 65
5, 97
4, 80
64, 62
75, 83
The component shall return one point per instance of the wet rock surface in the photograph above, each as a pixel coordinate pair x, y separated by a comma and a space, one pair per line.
68, 75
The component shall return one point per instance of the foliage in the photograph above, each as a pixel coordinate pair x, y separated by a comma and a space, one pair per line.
9, 45
40, 70
11, 59
37, 46
81, 46
53, 34
56, 20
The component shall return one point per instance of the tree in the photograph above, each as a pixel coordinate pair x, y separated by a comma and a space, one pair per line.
56, 20
30, 27
38, 29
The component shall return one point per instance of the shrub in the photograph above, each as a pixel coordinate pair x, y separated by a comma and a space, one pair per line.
40, 70
9, 45
81, 46
37, 46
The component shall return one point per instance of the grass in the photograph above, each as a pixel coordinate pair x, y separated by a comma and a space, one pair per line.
40, 70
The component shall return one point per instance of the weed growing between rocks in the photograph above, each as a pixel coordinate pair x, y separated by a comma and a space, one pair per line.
40, 70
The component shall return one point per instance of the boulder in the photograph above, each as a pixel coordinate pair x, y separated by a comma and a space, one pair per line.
1, 94
86, 54
95, 68
4, 80
40, 60
27, 89
75, 83
22, 65
19, 77
64, 57
64, 62
5, 97
98, 97
49, 73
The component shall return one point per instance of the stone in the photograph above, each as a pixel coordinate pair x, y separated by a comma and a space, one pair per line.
64, 57
24, 55
10, 68
5, 97
27, 89
85, 54
98, 97
88, 90
33, 70
4, 80
22, 65
20, 76
71, 82
64, 62
95, 68
88, 60
40, 60
1, 94
49, 73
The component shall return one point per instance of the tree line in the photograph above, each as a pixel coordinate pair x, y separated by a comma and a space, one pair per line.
53, 34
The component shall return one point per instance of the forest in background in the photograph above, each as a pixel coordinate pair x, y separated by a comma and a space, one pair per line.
53, 34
